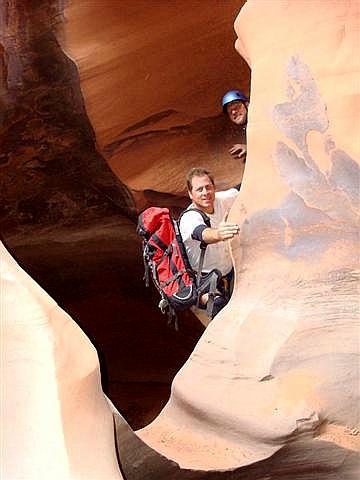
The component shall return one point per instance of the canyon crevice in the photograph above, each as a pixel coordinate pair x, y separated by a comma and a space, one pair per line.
103, 111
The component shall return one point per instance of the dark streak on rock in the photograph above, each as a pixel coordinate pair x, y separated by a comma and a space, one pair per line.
50, 168
150, 120
305, 109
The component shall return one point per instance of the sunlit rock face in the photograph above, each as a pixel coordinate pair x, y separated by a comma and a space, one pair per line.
152, 76
62, 216
276, 374
55, 420
271, 390
62, 210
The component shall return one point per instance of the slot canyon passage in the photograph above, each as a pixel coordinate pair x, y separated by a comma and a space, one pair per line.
104, 107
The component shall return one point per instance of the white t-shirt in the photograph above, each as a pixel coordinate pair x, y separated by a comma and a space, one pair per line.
217, 254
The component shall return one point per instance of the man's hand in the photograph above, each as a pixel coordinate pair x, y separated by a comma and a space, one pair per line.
225, 231
238, 150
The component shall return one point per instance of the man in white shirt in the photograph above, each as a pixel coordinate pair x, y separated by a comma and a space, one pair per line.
216, 205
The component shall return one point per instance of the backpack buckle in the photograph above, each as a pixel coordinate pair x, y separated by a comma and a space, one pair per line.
163, 304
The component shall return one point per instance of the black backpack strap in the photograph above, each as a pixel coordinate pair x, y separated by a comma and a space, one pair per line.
209, 284
203, 245
203, 214
201, 263
212, 290
207, 222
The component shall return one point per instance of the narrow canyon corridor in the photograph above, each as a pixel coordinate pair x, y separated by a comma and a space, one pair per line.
104, 292
104, 107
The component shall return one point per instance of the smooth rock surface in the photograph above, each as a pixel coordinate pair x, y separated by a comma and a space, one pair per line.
271, 390
152, 76
56, 422
281, 362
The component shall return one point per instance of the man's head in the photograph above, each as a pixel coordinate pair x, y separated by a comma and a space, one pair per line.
201, 189
235, 104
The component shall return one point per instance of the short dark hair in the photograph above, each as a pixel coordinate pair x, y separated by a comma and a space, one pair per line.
197, 172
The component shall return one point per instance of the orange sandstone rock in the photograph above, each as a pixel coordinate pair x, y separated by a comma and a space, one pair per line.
56, 421
153, 88
280, 362
271, 390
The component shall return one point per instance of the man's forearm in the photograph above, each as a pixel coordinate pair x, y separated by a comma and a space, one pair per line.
211, 235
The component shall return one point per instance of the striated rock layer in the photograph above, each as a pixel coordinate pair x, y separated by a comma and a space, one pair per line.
153, 87
271, 390
50, 170
278, 368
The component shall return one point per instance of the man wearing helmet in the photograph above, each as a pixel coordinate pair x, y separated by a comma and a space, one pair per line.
235, 105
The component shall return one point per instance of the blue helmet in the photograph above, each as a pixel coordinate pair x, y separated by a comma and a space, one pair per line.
231, 96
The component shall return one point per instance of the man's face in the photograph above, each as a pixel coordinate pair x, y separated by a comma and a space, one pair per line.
237, 112
203, 193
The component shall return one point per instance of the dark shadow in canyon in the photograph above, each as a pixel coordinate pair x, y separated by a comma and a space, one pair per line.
95, 273
69, 221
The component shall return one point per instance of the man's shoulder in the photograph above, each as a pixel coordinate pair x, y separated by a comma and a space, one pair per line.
192, 213
189, 220
225, 194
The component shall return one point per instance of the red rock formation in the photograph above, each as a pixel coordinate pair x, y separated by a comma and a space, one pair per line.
64, 201
53, 411
50, 169
55, 185
279, 365
152, 88
271, 389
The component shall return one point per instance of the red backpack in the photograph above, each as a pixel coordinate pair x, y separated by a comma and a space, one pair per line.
166, 261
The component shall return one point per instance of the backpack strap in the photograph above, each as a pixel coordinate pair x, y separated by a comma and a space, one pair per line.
201, 263
212, 289
204, 217
203, 214
203, 245
209, 284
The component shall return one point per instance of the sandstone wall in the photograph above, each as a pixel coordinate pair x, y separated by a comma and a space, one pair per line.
152, 76
50, 171
280, 362
271, 389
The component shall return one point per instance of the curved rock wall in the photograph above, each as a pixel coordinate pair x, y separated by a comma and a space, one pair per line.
271, 389
280, 362
152, 76
50, 169
55, 419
